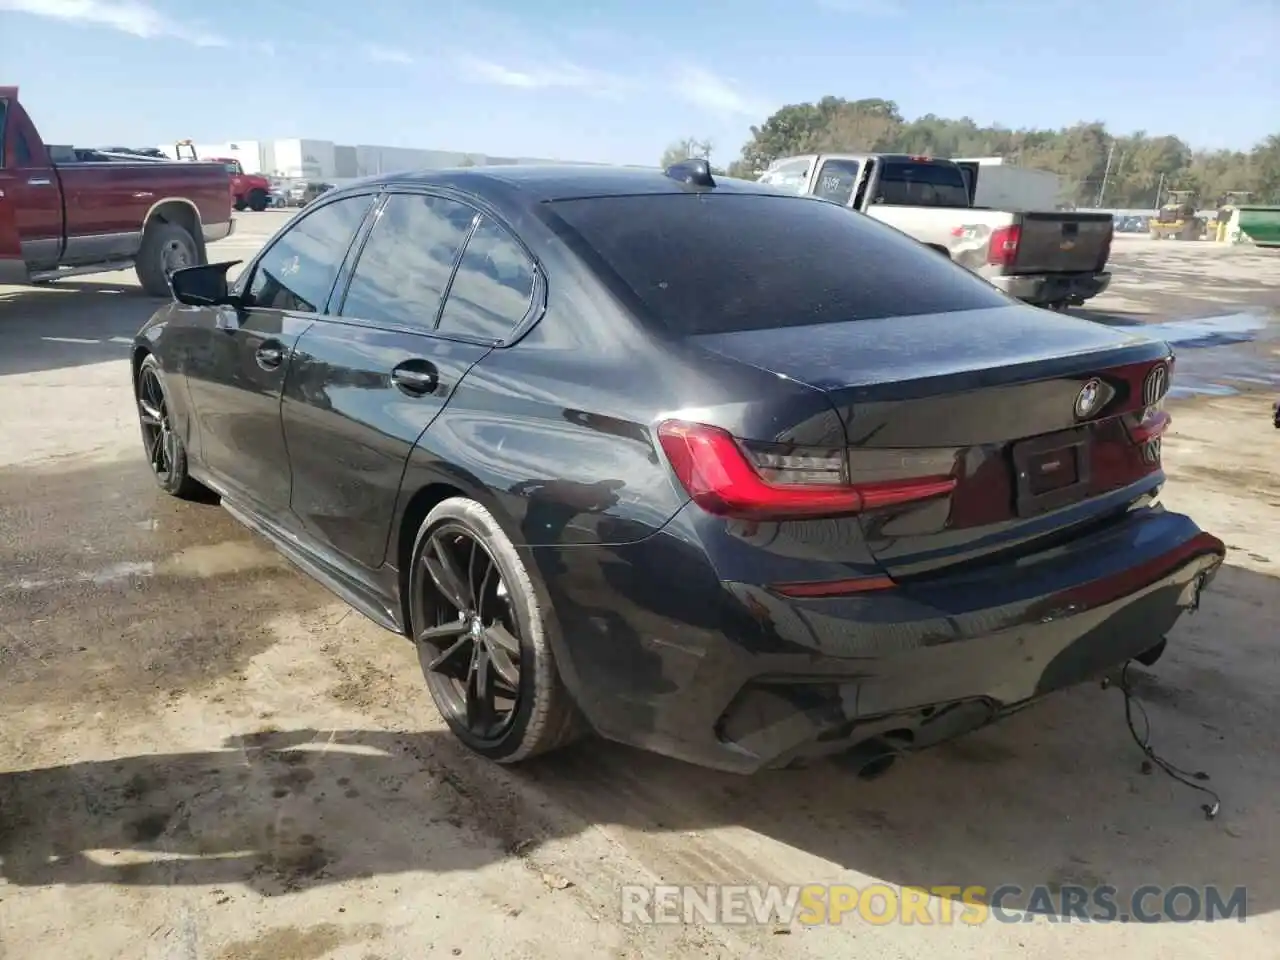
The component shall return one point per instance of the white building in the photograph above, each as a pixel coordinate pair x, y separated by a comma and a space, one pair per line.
299, 159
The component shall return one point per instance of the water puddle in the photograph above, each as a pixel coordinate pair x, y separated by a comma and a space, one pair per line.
1198, 332
1222, 355
219, 560
200, 563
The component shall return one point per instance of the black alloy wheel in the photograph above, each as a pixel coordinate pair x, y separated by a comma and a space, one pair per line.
483, 640
166, 453
157, 435
471, 649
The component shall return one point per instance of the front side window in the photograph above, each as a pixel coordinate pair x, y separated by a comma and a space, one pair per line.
493, 288
297, 273
406, 262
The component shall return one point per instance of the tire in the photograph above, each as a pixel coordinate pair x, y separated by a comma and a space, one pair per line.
257, 200
165, 247
537, 715
159, 442
239, 204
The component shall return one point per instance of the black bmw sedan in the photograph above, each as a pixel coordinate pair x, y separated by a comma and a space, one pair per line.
733, 475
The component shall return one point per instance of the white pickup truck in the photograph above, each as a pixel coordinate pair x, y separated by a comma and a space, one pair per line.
1049, 258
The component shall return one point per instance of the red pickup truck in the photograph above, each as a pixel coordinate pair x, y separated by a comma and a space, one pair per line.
250, 190
66, 213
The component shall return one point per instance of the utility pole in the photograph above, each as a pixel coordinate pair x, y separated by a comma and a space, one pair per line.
1159, 190
1102, 189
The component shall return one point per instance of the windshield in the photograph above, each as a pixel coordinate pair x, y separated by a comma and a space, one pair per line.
706, 263
919, 183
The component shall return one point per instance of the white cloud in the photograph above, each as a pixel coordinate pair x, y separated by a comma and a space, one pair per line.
716, 94
127, 16
561, 74
380, 54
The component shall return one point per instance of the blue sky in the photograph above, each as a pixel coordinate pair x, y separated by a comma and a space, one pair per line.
617, 81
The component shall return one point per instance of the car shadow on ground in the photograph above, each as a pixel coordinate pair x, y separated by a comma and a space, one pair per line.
70, 323
1054, 796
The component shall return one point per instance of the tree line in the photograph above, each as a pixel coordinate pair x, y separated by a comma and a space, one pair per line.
1098, 168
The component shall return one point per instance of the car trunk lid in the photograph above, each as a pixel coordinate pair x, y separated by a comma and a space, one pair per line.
1038, 424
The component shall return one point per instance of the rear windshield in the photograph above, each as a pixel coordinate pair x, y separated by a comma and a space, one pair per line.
702, 263
906, 183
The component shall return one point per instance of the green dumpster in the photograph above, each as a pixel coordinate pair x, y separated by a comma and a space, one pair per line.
1261, 224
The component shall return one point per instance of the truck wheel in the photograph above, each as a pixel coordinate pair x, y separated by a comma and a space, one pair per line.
239, 203
257, 200
166, 247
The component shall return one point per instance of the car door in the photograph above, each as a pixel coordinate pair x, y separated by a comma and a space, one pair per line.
236, 376
29, 190
419, 312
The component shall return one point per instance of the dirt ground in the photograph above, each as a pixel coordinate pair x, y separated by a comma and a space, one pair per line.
205, 756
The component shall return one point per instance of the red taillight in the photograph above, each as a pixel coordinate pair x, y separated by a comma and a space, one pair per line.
1150, 421
728, 478
1002, 249
833, 588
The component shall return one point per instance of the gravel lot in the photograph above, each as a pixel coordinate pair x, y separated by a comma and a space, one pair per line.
204, 755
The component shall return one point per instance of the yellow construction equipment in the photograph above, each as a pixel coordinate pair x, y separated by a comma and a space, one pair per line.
1221, 224
1177, 219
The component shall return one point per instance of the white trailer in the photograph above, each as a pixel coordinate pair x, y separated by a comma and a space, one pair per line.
1006, 186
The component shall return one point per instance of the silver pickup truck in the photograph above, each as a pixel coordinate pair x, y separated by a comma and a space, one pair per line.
1049, 258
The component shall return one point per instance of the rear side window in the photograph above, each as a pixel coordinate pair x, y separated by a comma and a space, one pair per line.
790, 175
904, 183
711, 264
298, 271
493, 288
405, 264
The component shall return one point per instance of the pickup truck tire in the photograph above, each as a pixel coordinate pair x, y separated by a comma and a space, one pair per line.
257, 200
165, 451
165, 247
239, 204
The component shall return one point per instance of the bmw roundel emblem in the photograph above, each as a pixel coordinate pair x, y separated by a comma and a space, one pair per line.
1089, 398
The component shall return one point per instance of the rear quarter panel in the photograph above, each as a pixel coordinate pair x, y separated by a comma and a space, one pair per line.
555, 433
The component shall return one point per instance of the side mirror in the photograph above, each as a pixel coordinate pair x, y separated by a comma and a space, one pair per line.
203, 286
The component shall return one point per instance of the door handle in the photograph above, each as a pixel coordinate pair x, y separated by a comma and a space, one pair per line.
416, 377
270, 355
39, 182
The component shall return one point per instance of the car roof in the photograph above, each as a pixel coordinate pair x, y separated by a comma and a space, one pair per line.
542, 183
